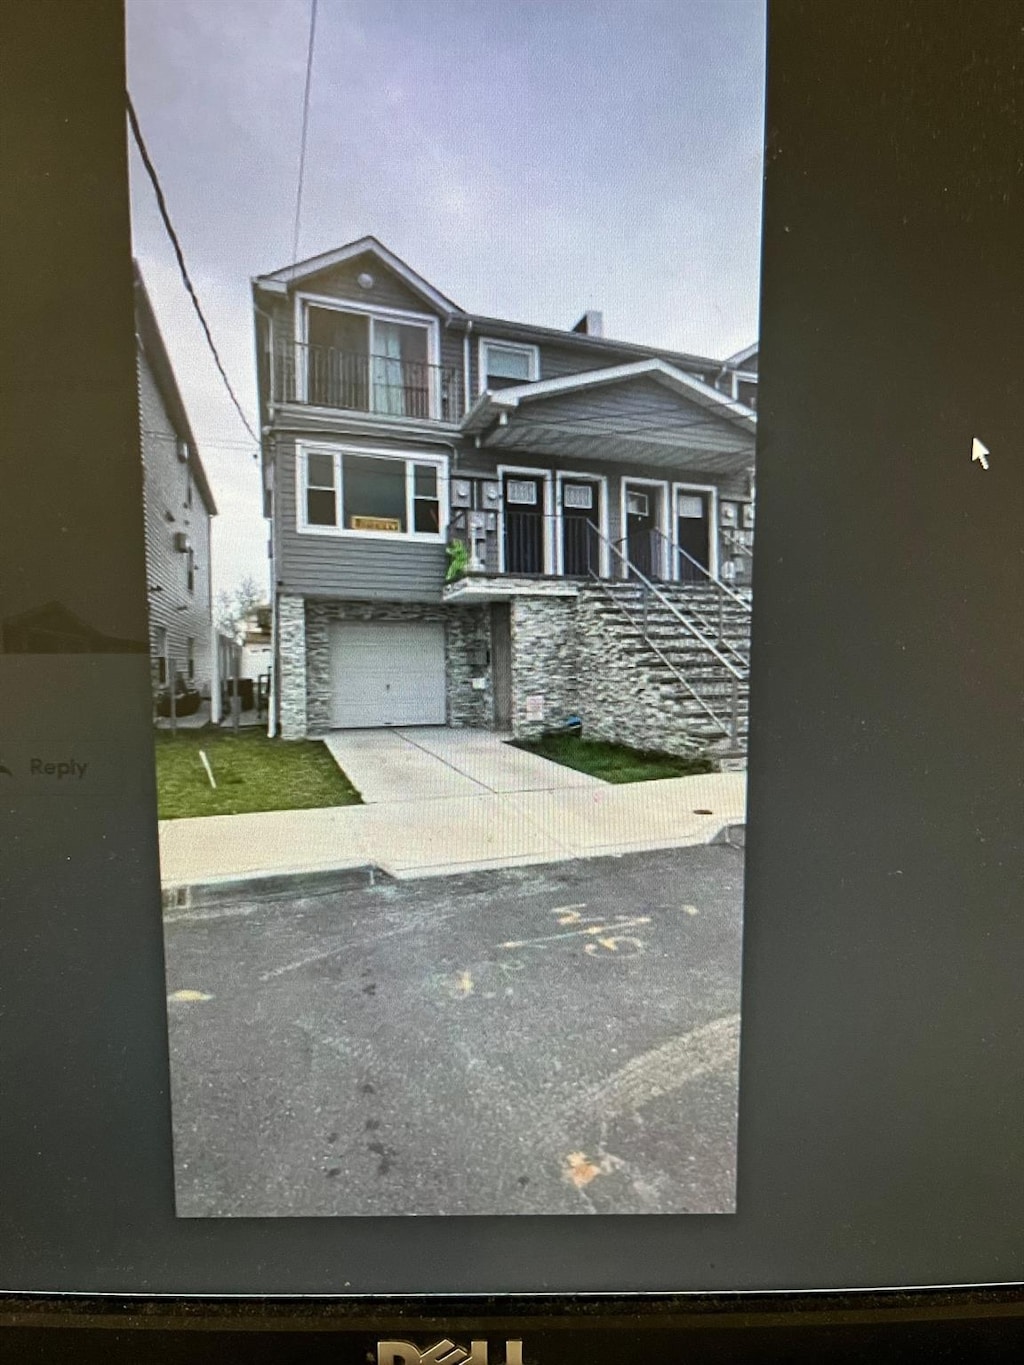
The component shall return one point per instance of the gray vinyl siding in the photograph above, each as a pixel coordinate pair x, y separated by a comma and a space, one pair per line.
342, 566
643, 402
172, 607
557, 361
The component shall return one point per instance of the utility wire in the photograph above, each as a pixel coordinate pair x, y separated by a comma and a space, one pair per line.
305, 128
164, 214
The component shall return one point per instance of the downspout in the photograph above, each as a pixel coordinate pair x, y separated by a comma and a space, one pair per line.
466, 353
272, 691
264, 433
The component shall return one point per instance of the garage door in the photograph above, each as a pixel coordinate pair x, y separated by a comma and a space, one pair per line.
387, 674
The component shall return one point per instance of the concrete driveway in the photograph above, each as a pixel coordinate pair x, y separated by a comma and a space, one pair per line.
435, 763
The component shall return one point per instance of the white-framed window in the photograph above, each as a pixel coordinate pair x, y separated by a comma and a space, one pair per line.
579, 496
521, 492
357, 491
190, 657
190, 569
378, 360
505, 363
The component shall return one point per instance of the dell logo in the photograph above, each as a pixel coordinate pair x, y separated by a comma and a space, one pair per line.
445, 1353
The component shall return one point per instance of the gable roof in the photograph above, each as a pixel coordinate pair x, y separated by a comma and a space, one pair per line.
314, 265
152, 345
490, 405
737, 361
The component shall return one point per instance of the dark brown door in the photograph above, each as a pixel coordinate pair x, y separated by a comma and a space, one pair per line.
523, 496
641, 529
693, 535
581, 515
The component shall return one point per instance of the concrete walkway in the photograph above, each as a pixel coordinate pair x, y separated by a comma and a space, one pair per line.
442, 801
434, 763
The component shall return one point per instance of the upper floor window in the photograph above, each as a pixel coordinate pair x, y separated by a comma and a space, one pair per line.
746, 392
354, 492
190, 569
370, 362
505, 363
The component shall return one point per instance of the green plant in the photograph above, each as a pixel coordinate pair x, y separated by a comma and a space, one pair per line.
458, 560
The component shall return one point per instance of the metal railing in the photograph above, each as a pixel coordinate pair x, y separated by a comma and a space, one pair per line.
357, 382
736, 669
687, 570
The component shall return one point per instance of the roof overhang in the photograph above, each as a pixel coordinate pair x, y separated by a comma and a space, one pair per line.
718, 440
737, 361
280, 281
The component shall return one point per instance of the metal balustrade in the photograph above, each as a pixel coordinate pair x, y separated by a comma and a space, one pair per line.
357, 382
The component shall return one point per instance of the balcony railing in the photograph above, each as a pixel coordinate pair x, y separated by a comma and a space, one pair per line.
356, 382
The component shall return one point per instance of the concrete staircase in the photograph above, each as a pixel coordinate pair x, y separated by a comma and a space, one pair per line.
689, 644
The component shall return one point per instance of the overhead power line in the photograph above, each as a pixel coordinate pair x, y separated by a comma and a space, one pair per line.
305, 128
147, 161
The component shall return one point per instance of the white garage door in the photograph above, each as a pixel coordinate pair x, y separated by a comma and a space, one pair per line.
387, 673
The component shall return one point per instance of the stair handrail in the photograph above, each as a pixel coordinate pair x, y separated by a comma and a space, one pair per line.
688, 626
719, 583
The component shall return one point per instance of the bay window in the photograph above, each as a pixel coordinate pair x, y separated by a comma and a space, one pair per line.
350, 491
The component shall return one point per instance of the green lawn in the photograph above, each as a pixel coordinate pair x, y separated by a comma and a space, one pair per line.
252, 772
613, 762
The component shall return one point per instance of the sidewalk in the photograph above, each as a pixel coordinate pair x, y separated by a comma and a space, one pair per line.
456, 833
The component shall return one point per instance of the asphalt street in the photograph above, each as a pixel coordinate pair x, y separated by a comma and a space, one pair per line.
545, 1040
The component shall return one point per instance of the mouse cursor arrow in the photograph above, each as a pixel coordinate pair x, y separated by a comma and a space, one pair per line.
979, 452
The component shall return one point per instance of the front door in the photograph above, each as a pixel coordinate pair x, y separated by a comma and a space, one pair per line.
523, 496
642, 529
581, 515
693, 535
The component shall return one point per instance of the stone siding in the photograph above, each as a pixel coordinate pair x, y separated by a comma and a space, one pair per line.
468, 656
306, 690
291, 635
625, 701
545, 668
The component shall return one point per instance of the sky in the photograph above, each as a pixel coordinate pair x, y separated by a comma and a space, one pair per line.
531, 158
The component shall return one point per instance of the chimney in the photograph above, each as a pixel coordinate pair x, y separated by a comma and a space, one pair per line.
591, 324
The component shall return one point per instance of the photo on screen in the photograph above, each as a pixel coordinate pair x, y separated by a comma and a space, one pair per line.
446, 319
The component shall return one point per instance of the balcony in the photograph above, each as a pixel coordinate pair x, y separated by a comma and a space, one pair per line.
350, 381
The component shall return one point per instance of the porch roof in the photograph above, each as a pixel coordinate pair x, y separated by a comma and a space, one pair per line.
644, 413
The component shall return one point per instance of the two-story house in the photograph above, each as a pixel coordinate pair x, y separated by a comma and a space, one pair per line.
476, 522
178, 509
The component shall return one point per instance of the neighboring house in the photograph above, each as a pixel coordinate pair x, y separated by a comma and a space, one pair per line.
599, 492
178, 508
257, 644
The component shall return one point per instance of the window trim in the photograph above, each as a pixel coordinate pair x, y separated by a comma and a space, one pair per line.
303, 303
410, 458
526, 347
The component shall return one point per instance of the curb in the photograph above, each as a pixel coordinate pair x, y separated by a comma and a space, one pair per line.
271, 886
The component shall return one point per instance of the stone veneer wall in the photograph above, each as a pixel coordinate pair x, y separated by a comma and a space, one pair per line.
544, 662
291, 672
468, 638
622, 700
465, 627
